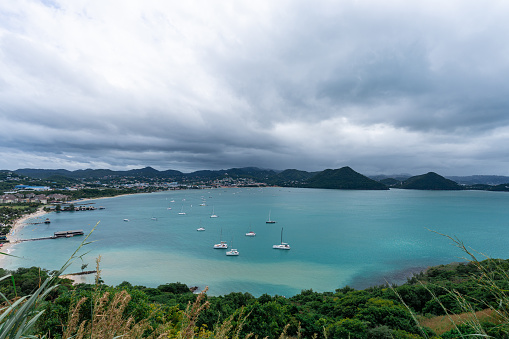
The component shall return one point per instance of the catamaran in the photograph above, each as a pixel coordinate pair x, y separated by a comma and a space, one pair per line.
213, 215
283, 245
222, 244
270, 221
233, 251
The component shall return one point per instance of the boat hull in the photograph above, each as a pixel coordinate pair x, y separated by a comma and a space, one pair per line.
281, 247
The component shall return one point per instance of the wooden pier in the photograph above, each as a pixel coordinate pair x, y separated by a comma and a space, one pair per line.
35, 239
57, 235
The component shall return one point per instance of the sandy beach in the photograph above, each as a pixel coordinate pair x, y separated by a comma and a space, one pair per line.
18, 225
21, 222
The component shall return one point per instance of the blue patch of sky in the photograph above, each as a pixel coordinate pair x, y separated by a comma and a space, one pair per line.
50, 3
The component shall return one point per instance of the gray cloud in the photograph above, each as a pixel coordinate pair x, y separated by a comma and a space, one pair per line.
386, 87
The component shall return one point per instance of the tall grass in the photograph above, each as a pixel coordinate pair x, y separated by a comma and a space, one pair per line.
108, 320
469, 323
490, 270
18, 318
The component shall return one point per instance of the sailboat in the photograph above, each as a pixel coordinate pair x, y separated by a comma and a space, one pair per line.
222, 244
233, 251
213, 215
201, 228
270, 221
182, 211
283, 245
250, 233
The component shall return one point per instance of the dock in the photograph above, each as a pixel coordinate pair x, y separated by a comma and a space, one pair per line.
58, 235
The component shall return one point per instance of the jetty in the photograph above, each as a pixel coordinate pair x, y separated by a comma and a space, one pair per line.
58, 235
47, 221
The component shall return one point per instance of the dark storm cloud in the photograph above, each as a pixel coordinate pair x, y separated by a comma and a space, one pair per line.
386, 87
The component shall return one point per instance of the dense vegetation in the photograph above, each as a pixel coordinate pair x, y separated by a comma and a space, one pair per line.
430, 181
291, 178
344, 178
377, 312
10, 213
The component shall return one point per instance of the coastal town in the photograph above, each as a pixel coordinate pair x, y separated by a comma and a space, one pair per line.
21, 196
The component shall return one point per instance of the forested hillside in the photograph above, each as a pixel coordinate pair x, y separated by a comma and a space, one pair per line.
376, 312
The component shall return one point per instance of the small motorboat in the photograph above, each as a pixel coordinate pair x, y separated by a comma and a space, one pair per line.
232, 252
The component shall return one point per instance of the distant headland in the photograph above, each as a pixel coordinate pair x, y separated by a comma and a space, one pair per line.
148, 177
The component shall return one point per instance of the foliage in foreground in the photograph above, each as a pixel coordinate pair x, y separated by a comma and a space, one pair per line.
172, 311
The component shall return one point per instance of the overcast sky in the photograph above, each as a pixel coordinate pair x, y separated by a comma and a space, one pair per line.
384, 87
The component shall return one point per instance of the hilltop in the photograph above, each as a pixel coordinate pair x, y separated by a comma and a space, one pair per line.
430, 181
344, 178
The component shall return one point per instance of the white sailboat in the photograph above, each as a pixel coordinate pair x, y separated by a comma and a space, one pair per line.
182, 211
201, 228
213, 215
222, 244
270, 221
283, 245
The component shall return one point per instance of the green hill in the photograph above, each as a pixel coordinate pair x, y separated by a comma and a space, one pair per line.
290, 177
430, 181
344, 178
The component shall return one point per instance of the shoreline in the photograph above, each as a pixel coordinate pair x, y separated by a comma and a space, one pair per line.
20, 223
16, 227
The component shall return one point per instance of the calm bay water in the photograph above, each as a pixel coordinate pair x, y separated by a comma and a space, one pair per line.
338, 238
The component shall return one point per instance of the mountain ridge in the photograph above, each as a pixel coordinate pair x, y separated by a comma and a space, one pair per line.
285, 178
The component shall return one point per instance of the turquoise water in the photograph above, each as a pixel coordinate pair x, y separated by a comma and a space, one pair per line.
337, 237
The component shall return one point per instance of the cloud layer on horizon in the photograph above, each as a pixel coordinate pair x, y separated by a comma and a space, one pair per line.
386, 87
